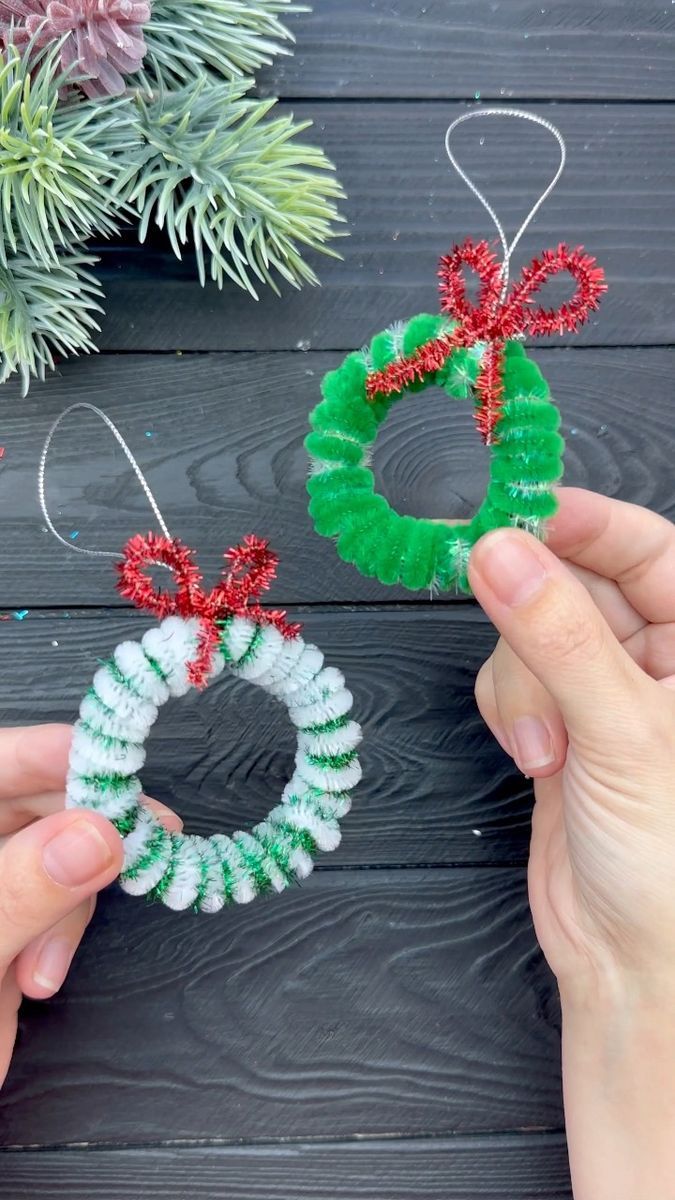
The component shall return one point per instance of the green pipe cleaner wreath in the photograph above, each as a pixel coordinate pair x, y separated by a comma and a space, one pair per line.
525, 461
112, 110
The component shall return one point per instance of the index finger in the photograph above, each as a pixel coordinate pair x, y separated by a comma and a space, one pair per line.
620, 541
33, 759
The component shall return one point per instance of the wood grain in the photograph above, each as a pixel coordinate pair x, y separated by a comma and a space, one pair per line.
432, 774
406, 208
224, 456
503, 49
367, 1003
391, 1031
486, 1168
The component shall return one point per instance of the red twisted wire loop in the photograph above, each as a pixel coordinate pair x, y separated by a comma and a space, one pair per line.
252, 567
494, 319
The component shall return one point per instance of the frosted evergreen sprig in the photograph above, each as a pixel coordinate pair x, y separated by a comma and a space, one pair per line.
185, 148
215, 172
58, 164
45, 312
231, 38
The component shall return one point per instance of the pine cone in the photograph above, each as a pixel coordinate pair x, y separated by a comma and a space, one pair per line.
103, 38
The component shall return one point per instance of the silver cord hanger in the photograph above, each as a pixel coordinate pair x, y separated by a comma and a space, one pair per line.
508, 248
132, 461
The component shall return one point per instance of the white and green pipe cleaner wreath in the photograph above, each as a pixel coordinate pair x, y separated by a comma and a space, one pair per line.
199, 634
108, 750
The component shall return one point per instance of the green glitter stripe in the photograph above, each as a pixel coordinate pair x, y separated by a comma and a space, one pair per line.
154, 666
161, 888
333, 762
107, 782
156, 845
203, 882
325, 810
331, 726
300, 839
252, 647
126, 824
228, 879
278, 855
111, 665
224, 625
254, 867
93, 695
108, 739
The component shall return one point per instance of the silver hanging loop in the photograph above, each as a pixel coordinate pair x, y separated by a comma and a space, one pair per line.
507, 248
132, 461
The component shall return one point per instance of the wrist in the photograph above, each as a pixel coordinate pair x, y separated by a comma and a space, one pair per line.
619, 1085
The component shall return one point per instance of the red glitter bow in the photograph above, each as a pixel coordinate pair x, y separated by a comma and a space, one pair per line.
494, 320
252, 567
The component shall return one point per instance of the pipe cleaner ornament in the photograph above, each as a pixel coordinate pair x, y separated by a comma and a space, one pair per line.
200, 634
471, 351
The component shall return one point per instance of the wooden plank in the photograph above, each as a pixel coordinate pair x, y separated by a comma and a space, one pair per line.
224, 455
468, 804
406, 208
487, 1168
503, 49
367, 1003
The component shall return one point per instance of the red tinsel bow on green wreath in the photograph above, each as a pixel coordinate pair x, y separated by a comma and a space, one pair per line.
251, 569
495, 319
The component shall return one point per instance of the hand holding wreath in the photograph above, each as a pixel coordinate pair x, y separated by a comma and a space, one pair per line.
52, 864
581, 691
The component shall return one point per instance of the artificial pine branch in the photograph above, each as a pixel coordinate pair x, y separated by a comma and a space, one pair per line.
43, 312
216, 173
231, 38
58, 164
184, 147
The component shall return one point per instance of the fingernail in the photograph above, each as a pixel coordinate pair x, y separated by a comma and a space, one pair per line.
52, 963
533, 743
511, 568
76, 855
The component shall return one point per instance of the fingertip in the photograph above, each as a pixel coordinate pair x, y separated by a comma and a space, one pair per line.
48, 871
42, 969
107, 831
166, 816
546, 771
44, 747
580, 514
80, 848
34, 758
507, 567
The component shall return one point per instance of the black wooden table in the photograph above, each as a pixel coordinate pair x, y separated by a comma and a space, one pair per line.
389, 1030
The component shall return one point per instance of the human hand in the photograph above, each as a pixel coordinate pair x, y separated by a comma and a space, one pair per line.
52, 864
580, 691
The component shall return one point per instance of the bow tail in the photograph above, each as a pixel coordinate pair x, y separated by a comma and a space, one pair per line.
490, 389
199, 667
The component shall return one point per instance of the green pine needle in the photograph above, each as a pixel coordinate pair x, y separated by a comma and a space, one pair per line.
57, 164
232, 38
214, 172
43, 312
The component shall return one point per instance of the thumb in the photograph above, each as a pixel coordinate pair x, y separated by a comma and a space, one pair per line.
550, 621
48, 869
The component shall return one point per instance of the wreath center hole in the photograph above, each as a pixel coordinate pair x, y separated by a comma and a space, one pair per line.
436, 465
210, 770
